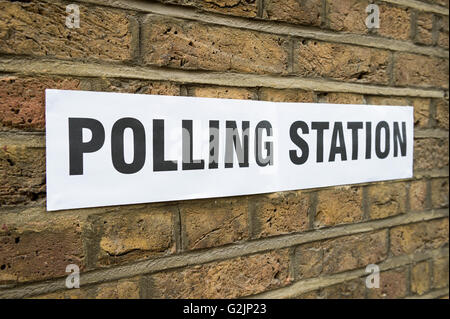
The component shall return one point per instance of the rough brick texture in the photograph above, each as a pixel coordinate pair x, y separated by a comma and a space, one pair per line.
351, 289
387, 200
208, 223
223, 92
226, 279
133, 86
135, 233
418, 70
191, 45
440, 272
341, 62
347, 15
424, 32
339, 206
22, 100
418, 195
121, 289
395, 22
286, 95
22, 172
439, 192
420, 278
243, 8
277, 214
36, 248
442, 115
443, 32
418, 237
342, 98
32, 28
341, 254
393, 284
430, 153
305, 12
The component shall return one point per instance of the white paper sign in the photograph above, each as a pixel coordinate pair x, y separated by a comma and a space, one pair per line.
111, 149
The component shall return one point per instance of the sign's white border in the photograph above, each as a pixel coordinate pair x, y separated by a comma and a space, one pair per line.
101, 184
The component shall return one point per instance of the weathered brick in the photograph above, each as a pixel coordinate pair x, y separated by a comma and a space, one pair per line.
443, 32
439, 192
341, 62
36, 247
418, 70
223, 92
305, 12
418, 195
122, 289
192, 45
214, 222
442, 116
341, 205
342, 98
340, 254
351, 289
387, 200
230, 278
38, 28
395, 22
22, 172
418, 237
242, 8
286, 95
133, 86
134, 232
421, 112
347, 15
280, 213
440, 272
430, 153
22, 100
393, 285
420, 278
424, 31
387, 100
81, 293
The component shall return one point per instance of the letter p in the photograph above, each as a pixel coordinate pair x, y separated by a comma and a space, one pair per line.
76, 145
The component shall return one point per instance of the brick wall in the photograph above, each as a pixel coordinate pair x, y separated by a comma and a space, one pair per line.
312, 243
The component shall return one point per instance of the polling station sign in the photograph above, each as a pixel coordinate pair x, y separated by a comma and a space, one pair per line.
113, 148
